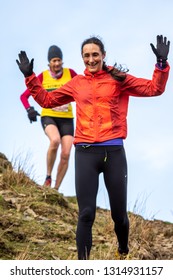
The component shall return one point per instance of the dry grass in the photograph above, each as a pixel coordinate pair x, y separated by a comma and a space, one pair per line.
40, 224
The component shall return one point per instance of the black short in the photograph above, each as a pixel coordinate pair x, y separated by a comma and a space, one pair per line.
64, 125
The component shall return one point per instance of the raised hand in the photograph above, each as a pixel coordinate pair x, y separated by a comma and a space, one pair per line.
162, 49
25, 66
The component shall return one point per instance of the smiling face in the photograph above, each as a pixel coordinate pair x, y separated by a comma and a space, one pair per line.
92, 57
55, 65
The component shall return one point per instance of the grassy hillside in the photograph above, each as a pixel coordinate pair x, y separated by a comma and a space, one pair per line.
39, 224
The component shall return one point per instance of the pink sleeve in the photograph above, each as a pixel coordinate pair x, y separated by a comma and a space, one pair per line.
26, 94
72, 72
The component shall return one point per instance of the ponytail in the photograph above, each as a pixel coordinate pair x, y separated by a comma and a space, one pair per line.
117, 73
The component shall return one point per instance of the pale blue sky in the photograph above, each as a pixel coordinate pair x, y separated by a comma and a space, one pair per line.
127, 29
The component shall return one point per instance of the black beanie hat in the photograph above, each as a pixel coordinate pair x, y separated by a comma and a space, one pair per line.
53, 52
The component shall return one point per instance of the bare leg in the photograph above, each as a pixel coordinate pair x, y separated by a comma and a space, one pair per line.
54, 137
66, 144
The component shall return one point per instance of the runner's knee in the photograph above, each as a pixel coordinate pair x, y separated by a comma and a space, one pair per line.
87, 215
65, 156
54, 143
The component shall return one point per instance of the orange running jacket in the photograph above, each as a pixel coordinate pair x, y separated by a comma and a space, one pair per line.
101, 101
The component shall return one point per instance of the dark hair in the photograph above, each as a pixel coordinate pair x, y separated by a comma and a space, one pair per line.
93, 40
117, 72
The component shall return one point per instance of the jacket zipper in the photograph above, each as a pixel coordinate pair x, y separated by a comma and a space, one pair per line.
95, 110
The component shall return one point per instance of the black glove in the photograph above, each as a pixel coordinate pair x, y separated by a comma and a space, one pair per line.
161, 51
32, 114
25, 66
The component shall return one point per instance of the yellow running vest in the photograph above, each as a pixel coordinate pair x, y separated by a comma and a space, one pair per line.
49, 83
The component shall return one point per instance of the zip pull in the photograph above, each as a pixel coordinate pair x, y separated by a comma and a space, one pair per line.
85, 146
106, 156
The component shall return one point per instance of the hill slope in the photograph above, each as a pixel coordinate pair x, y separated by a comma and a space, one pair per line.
40, 224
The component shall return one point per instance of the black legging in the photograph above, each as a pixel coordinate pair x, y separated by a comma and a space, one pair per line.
89, 163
